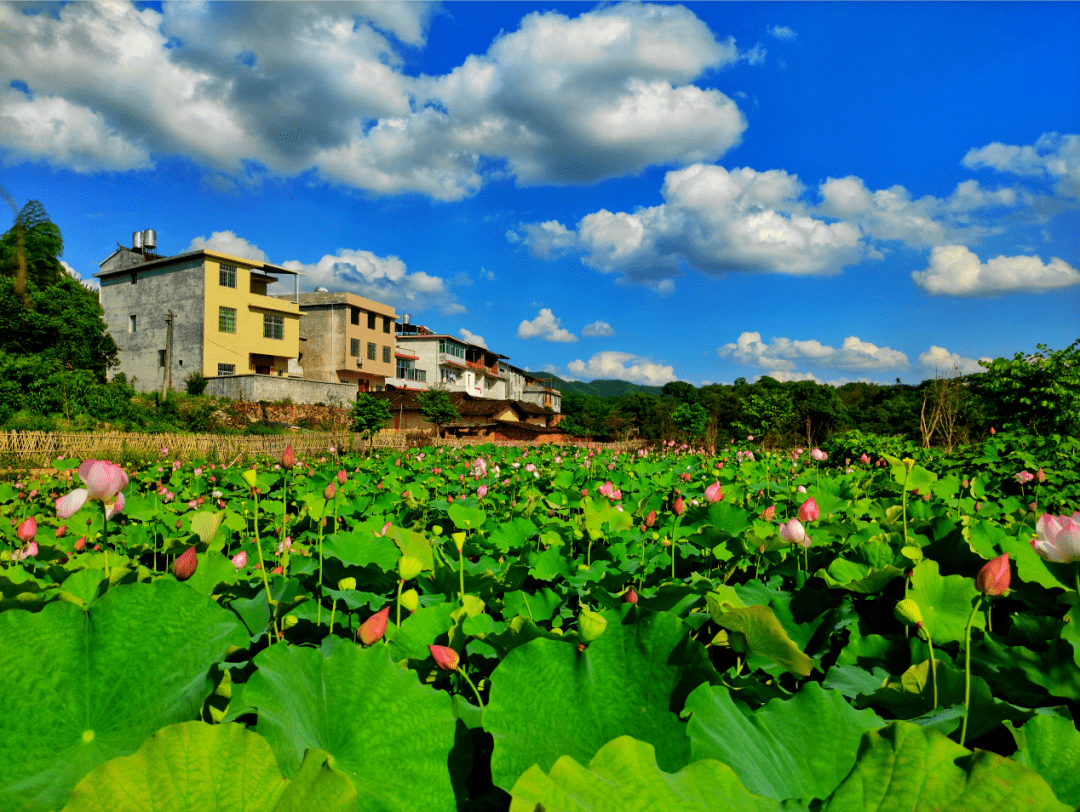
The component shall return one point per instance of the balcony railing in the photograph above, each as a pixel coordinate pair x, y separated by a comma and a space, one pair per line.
492, 371
453, 360
419, 375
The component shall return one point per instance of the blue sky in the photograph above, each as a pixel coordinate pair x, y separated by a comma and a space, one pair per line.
652, 192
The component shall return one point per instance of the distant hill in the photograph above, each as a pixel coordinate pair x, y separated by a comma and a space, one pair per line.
600, 388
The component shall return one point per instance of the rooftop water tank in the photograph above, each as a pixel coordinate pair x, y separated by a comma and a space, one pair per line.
149, 238
136, 240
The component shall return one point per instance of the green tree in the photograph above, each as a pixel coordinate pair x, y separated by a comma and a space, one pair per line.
369, 415
1040, 392
692, 420
437, 408
30, 250
680, 391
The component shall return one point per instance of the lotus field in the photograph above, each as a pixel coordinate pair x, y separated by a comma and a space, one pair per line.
549, 628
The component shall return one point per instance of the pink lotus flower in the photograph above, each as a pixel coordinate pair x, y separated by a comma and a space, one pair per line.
104, 481
993, 578
371, 631
445, 658
794, 533
818, 455
864, 458
240, 560
26, 530
1059, 538
482, 491
809, 511
1024, 477
30, 551
801, 489
713, 493
768, 513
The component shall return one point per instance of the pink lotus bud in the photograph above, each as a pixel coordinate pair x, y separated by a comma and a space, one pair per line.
630, 596
80, 544
1033, 506
1040, 476
482, 491
818, 455
371, 631
328, 492
278, 570
978, 506
768, 513
288, 459
801, 489
445, 658
685, 477
809, 512
713, 493
993, 578
650, 519
342, 476
992, 430
26, 530
678, 507
61, 531
185, 565
864, 458
240, 560
794, 532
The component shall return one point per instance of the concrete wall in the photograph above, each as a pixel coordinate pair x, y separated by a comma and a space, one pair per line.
156, 291
266, 387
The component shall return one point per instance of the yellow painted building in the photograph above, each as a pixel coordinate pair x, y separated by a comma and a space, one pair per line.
223, 321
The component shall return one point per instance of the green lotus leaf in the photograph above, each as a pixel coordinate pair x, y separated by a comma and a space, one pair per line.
856, 577
796, 748
512, 535
89, 685
945, 601
412, 543
764, 635
1050, 745
728, 518
465, 518
911, 695
360, 548
548, 699
205, 524
623, 775
196, 767
916, 769
391, 735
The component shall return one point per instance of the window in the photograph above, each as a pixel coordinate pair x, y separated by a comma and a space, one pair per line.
451, 348
227, 276
224, 370
371, 348
354, 347
386, 324
386, 355
448, 376
161, 358
354, 316
134, 278
226, 319
131, 324
371, 321
273, 326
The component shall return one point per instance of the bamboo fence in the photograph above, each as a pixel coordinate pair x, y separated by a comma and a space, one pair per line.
33, 448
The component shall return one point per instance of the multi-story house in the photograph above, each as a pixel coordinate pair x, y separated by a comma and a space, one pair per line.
223, 323
346, 338
426, 359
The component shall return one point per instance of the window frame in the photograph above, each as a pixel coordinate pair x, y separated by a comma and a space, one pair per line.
226, 370
386, 324
274, 326
133, 324
354, 347
372, 351
370, 320
226, 318
227, 272
354, 315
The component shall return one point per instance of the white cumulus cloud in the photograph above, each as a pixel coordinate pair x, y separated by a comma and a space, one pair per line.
384, 279
547, 326
782, 32
955, 270
782, 354
597, 328
942, 362
624, 366
227, 242
1052, 155
472, 338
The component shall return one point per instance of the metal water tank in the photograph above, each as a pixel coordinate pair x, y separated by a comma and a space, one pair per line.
321, 289
136, 240
405, 318
149, 238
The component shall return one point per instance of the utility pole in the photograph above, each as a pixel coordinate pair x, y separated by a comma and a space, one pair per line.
166, 378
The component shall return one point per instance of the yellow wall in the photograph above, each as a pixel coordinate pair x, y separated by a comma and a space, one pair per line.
236, 349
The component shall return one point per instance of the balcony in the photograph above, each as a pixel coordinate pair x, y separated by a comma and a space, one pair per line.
478, 366
419, 375
451, 360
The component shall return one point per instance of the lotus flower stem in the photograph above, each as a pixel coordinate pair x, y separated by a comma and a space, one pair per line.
967, 668
105, 539
333, 608
397, 621
933, 664
262, 563
461, 571
479, 701
318, 612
